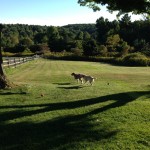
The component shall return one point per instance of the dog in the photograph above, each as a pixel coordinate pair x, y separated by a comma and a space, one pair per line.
89, 79
83, 77
78, 77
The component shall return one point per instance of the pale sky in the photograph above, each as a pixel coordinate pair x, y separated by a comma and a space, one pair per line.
50, 12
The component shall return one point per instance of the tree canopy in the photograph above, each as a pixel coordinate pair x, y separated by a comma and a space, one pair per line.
123, 6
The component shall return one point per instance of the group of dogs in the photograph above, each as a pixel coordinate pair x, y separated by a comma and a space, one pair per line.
83, 78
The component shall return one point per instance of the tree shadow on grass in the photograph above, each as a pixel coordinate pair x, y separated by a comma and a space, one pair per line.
61, 133
13, 93
64, 132
119, 99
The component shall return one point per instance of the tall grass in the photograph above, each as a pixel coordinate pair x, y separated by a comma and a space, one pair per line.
48, 109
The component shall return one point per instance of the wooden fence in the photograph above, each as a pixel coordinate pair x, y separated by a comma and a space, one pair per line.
15, 61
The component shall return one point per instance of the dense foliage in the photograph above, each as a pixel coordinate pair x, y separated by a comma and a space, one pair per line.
105, 38
123, 6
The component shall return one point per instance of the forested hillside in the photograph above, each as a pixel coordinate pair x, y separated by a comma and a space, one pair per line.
104, 38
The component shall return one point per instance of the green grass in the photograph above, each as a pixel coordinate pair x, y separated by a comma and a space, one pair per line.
114, 113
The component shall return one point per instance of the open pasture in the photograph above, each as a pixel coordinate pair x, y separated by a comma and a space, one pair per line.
49, 110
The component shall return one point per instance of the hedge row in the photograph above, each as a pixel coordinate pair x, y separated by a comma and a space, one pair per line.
135, 59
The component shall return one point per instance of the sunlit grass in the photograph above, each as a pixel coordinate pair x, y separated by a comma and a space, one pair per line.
48, 109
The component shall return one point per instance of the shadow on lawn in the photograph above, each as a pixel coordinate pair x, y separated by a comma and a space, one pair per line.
62, 83
72, 87
13, 93
60, 133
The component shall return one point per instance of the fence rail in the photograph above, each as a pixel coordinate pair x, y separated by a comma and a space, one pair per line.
15, 61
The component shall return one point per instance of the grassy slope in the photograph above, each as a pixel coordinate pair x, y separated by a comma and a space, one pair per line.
72, 116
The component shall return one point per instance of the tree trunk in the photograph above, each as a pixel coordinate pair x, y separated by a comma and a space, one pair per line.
3, 80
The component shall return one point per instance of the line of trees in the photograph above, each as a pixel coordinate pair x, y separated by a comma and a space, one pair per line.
105, 38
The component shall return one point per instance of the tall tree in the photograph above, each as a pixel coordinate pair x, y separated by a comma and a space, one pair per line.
53, 38
102, 26
90, 47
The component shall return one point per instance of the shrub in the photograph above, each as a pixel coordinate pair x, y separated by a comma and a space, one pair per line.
135, 59
7, 54
26, 52
77, 51
103, 50
146, 49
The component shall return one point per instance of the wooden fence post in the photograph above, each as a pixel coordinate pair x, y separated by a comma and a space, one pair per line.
19, 61
8, 63
15, 62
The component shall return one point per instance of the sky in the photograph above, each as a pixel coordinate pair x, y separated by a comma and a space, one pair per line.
50, 12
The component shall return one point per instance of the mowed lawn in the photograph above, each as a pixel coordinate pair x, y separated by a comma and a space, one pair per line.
49, 110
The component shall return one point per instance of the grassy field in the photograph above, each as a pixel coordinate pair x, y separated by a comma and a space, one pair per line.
49, 110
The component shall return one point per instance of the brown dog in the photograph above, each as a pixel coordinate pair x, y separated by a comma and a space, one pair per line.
78, 77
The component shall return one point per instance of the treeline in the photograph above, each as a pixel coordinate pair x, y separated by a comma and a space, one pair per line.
103, 39
18, 38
